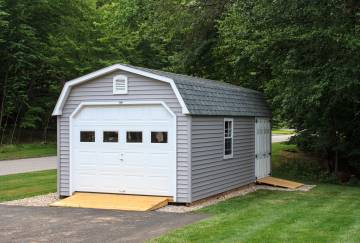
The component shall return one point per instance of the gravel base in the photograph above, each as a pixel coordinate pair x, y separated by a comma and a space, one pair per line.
46, 200
213, 200
237, 193
37, 201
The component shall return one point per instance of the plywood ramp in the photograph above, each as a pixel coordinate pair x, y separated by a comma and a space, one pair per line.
113, 201
272, 181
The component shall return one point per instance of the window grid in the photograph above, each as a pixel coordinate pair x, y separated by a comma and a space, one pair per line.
228, 138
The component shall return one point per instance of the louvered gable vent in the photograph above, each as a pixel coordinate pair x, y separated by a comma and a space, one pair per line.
120, 84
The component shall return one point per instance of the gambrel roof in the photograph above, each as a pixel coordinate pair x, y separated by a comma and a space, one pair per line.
197, 96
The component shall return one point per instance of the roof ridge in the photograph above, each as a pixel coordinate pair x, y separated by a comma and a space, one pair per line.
200, 79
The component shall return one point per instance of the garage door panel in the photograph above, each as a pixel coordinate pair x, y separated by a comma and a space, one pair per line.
134, 183
110, 113
87, 114
85, 180
157, 114
110, 159
86, 159
159, 160
112, 183
158, 172
159, 184
121, 167
108, 171
86, 155
134, 159
134, 171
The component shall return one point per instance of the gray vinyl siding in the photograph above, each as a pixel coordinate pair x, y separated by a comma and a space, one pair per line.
211, 173
139, 89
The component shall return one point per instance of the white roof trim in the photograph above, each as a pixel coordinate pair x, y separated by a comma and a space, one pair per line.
68, 85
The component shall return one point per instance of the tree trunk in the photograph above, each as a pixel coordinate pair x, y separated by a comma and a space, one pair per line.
32, 136
18, 135
336, 163
2, 109
4, 130
15, 125
45, 132
329, 160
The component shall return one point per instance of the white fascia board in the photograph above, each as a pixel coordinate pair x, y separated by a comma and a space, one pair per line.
66, 90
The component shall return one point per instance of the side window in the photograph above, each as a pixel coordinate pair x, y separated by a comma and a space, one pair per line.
133, 137
159, 137
87, 136
110, 137
228, 138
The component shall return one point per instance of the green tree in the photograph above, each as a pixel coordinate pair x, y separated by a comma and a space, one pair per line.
42, 44
306, 56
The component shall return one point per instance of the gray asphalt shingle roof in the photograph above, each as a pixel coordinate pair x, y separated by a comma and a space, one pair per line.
210, 97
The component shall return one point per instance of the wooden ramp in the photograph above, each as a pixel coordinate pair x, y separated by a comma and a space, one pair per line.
272, 181
113, 201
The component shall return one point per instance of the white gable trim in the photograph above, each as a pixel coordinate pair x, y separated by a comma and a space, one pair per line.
68, 85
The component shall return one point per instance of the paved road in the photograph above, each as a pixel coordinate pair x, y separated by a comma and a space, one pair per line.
27, 165
280, 138
50, 224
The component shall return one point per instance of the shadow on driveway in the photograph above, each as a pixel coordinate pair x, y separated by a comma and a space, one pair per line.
47, 224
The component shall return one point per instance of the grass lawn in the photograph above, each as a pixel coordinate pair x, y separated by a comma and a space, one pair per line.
21, 151
282, 131
27, 184
328, 213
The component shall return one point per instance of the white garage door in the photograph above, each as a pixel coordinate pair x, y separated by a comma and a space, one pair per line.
124, 149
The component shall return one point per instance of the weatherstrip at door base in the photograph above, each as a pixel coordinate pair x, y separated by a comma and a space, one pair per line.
113, 201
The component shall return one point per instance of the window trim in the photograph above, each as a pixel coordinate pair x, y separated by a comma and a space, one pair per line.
142, 137
121, 77
229, 156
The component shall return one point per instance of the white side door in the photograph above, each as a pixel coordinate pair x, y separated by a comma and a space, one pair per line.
262, 147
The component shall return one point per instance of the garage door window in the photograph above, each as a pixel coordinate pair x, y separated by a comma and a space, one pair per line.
87, 136
110, 137
159, 137
133, 137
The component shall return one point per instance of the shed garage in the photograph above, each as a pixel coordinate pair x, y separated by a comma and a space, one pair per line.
132, 130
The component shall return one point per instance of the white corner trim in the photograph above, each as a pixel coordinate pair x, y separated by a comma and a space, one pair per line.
84, 104
68, 85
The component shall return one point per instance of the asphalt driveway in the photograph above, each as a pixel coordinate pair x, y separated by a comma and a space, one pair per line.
27, 165
280, 138
51, 224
